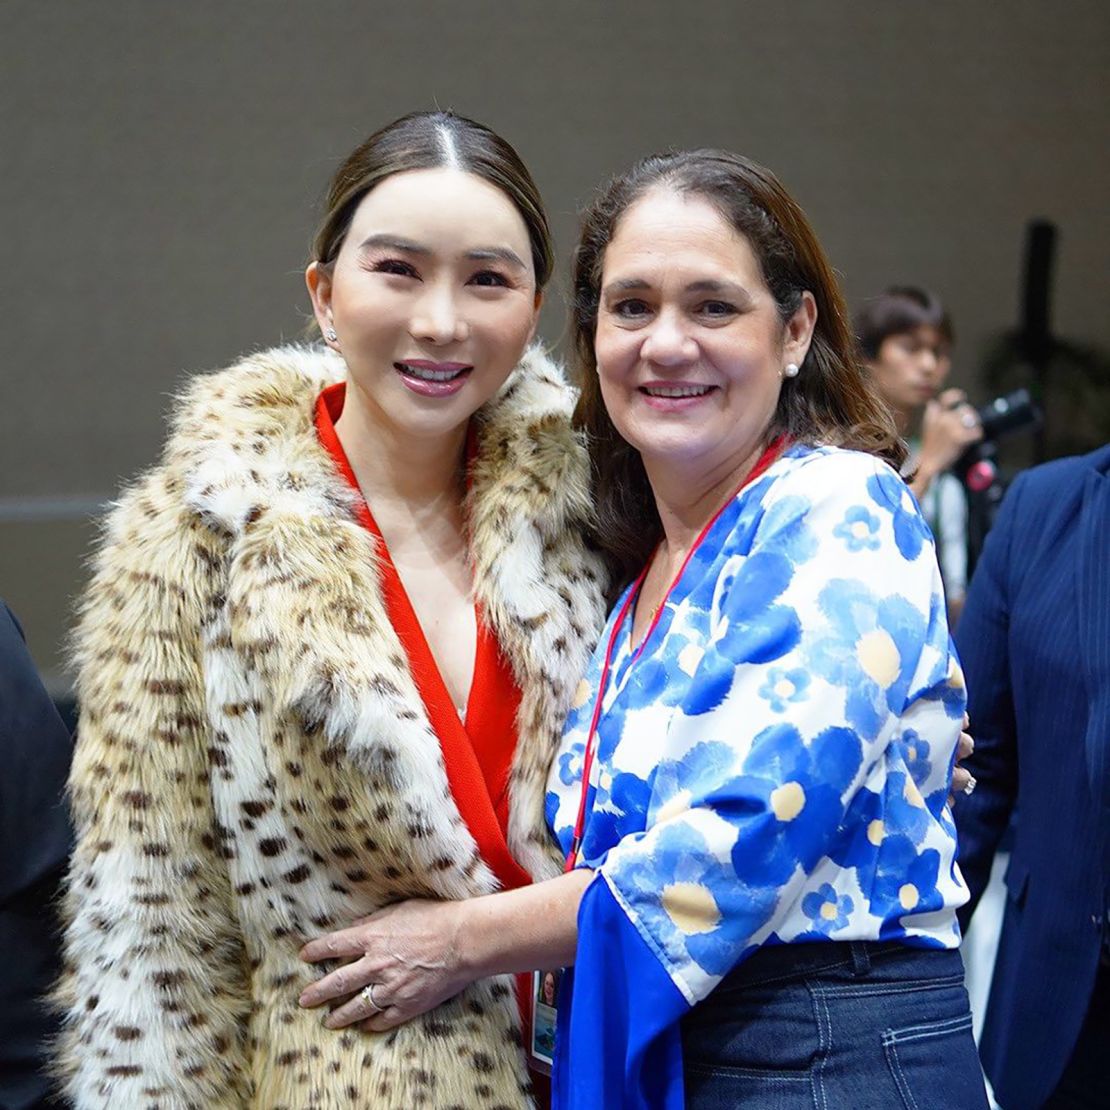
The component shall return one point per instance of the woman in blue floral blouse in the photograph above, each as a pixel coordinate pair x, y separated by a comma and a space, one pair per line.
752, 789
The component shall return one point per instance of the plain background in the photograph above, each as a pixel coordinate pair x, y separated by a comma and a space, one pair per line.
163, 164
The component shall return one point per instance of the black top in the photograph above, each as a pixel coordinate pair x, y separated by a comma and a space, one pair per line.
35, 841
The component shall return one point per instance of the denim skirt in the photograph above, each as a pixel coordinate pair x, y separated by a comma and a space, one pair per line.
836, 1026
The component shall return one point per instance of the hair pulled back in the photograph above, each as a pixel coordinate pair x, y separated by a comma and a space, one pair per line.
433, 140
830, 401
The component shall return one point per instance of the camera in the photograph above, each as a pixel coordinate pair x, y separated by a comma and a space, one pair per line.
1005, 415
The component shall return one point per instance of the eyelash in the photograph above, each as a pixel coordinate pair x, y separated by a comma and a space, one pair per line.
400, 268
728, 309
499, 279
394, 266
624, 309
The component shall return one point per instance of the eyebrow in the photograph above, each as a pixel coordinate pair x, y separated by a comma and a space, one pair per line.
394, 243
497, 254
704, 285
410, 246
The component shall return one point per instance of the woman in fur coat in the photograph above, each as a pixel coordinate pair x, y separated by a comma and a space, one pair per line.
325, 660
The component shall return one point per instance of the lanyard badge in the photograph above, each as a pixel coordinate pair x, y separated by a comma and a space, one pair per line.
545, 994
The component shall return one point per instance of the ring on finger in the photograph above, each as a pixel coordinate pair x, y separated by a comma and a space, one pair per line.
367, 996
969, 789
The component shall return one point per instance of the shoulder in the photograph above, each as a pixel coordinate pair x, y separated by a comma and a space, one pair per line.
1059, 479
833, 476
832, 508
532, 411
531, 458
235, 438
262, 392
243, 439
1044, 501
537, 388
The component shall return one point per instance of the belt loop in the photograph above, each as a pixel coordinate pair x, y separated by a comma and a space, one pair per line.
861, 958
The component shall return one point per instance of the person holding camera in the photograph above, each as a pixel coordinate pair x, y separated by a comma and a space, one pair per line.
906, 339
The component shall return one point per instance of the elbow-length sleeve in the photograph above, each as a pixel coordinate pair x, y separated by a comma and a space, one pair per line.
153, 994
814, 704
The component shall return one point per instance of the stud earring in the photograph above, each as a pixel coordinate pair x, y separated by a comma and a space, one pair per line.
790, 370
330, 335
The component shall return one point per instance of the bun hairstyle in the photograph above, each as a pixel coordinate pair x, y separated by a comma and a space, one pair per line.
831, 400
433, 140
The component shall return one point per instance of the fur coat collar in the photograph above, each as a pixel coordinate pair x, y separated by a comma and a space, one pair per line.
255, 764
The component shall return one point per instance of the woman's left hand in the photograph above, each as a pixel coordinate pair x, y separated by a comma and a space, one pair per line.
408, 954
962, 778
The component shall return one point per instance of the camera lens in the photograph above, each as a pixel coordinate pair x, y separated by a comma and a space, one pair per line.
1009, 413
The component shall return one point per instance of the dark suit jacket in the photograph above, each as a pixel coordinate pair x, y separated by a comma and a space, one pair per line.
1035, 644
35, 750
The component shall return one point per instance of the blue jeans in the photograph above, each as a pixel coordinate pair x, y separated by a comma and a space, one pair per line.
835, 1026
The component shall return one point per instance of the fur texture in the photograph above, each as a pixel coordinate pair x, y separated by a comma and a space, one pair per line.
255, 765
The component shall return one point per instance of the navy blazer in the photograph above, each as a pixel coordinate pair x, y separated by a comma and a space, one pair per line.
35, 750
1034, 640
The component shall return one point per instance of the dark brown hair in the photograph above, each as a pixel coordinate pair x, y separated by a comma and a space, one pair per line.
431, 140
896, 311
830, 401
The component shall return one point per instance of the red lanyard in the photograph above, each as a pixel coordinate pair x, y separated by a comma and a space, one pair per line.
774, 449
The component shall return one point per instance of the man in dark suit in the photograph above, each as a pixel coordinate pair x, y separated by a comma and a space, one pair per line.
35, 751
1035, 644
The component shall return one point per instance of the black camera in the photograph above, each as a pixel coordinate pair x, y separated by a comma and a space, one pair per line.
1013, 412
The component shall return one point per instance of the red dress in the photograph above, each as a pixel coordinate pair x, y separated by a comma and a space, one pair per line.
478, 755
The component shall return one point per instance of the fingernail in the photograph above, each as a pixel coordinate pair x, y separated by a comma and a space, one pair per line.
303, 1000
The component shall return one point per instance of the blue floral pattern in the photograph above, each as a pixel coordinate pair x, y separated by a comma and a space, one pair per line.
891, 494
783, 687
772, 764
859, 529
827, 910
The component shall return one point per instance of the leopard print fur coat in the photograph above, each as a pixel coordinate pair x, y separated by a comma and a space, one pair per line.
255, 765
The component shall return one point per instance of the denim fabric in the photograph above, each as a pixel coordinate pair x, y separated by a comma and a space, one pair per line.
836, 1026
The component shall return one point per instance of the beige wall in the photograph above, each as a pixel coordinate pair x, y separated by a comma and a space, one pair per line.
162, 162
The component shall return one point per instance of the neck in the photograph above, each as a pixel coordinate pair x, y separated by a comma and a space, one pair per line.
688, 497
394, 468
903, 420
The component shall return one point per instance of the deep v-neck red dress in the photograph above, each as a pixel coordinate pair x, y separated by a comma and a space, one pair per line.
477, 755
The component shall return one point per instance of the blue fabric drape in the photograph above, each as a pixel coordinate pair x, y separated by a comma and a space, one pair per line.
618, 1038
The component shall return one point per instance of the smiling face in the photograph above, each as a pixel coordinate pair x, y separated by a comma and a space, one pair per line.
432, 298
911, 367
690, 344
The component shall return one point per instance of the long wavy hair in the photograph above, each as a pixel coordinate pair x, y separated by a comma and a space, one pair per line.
831, 401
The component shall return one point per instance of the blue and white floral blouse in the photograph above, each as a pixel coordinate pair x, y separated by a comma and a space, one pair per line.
771, 767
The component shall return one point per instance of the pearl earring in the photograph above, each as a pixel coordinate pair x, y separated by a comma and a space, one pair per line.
791, 370
331, 335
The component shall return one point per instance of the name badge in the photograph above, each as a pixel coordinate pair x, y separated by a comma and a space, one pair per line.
545, 993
